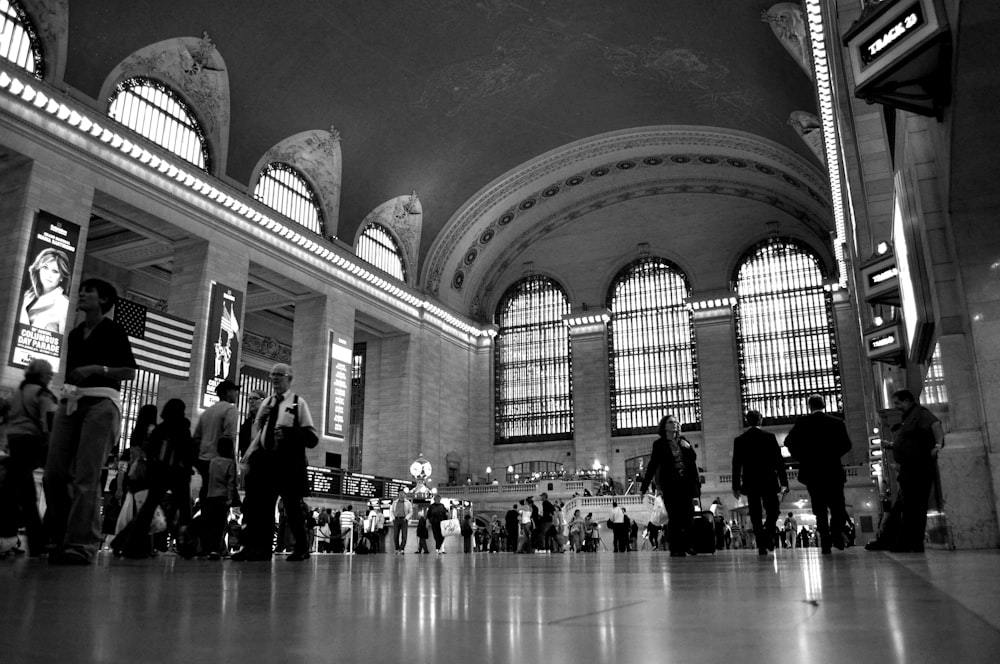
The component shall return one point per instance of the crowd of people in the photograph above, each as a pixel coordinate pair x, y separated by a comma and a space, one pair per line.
71, 435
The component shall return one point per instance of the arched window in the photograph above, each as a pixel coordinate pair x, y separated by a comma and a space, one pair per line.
654, 368
785, 333
377, 246
155, 111
282, 188
19, 42
533, 387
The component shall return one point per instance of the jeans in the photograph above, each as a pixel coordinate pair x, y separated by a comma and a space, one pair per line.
78, 446
399, 531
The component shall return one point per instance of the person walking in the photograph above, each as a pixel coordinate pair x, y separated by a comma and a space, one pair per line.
759, 474
618, 528
916, 441
220, 420
673, 465
512, 528
284, 430
817, 441
437, 513
29, 420
86, 426
220, 496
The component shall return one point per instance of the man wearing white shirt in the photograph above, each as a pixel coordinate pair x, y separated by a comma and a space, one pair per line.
282, 432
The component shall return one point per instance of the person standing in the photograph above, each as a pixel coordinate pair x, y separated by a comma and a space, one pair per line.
791, 529
220, 420
402, 509
512, 528
916, 441
254, 400
759, 473
29, 420
545, 524
673, 464
86, 426
284, 429
347, 529
618, 528
422, 533
817, 441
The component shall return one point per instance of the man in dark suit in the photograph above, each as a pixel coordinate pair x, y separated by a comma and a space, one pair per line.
759, 474
817, 441
512, 528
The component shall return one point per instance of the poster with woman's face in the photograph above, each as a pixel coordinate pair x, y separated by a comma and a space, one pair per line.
43, 308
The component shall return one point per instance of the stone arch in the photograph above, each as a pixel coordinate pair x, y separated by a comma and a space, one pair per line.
194, 69
316, 155
402, 216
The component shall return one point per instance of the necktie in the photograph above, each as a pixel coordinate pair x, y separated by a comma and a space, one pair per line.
272, 419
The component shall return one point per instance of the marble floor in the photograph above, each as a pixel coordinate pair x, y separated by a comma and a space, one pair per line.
791, 607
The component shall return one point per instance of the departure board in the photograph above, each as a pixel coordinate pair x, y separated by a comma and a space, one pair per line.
362, 486
323, 481
392, 487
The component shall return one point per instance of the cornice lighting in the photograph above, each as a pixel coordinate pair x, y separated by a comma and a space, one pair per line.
817, 38
586, 319
715, 303
80, 121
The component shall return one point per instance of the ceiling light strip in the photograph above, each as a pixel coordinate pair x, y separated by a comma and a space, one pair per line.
85, 125
821, 67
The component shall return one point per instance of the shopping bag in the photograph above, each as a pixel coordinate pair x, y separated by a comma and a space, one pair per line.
658, 516
450, 527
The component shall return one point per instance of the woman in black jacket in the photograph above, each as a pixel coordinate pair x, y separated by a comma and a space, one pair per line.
672, 464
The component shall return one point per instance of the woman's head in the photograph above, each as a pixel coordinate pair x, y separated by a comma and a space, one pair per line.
49, 270
668, 426
173, 410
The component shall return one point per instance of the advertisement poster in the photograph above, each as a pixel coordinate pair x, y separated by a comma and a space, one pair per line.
222, 345
339, 380
43, 308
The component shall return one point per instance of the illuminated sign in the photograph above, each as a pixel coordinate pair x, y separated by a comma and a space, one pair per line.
392, 487
323, 481
885, 344
361, 486
43, 309
222, 344
341, 361
918, 320
875, 47
880, 280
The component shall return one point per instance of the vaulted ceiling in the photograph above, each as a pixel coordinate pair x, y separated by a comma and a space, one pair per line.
455, 98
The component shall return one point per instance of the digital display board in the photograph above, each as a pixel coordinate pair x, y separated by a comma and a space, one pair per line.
323, 481
339, 377
392, 487
361, 486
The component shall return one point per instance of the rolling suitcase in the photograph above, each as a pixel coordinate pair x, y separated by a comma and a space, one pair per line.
703, 532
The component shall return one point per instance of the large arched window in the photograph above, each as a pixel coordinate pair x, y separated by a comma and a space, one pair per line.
785, 332
654, 368
19, 42
532, 362
282, 188
155, 111
377, 246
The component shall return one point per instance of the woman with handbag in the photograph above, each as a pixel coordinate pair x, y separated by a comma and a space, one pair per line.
672, 463
28, 424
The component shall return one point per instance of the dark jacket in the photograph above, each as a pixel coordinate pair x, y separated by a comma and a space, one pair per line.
437, 513
672, 478
757, 464
817, 441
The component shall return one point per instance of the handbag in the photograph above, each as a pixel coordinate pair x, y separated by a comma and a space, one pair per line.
451, 527
658, 516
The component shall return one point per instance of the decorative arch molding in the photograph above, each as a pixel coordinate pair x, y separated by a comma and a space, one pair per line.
315, 154
195, 70
812, 219
403, 217
560, 185
51, 21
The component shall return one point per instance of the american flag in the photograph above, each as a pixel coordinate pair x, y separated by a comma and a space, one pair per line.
160, 343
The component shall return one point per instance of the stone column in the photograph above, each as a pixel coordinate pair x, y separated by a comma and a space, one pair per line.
591, 414
196, 264
25, 188
719, 376
317, 319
